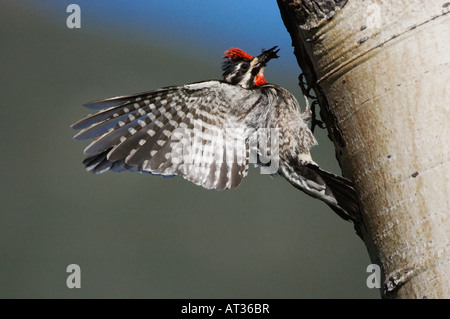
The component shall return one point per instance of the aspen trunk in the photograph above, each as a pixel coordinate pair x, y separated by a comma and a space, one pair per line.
381, 74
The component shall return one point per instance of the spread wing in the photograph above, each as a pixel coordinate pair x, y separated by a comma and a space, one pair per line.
186, 130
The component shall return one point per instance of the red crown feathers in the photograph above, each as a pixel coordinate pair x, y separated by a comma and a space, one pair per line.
237, 54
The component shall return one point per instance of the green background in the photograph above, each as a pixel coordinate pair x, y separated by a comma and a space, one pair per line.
134, 235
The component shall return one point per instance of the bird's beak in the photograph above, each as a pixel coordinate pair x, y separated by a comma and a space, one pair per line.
267, 55
260, 63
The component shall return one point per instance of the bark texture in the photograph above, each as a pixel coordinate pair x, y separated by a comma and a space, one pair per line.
381, 74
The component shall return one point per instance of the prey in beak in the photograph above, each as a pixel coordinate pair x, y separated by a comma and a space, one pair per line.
260, 64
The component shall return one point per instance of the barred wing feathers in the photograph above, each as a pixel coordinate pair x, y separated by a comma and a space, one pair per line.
183, 130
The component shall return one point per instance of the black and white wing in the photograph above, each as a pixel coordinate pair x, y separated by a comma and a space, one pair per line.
183, 130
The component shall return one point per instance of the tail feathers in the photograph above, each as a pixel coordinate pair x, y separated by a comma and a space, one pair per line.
342, 189
336, 191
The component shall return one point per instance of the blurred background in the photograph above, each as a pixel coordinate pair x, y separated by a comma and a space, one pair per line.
140, 236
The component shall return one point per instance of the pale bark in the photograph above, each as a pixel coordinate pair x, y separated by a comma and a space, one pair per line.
381, 71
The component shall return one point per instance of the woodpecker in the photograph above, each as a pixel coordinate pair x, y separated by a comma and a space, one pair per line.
209, 131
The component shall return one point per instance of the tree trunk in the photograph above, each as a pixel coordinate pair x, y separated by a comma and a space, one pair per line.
381, 73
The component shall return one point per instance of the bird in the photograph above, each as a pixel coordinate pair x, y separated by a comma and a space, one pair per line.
210, 131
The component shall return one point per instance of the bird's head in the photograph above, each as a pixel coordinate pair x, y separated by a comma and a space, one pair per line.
241, 68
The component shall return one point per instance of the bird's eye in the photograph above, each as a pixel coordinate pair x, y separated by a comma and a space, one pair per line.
245, 66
